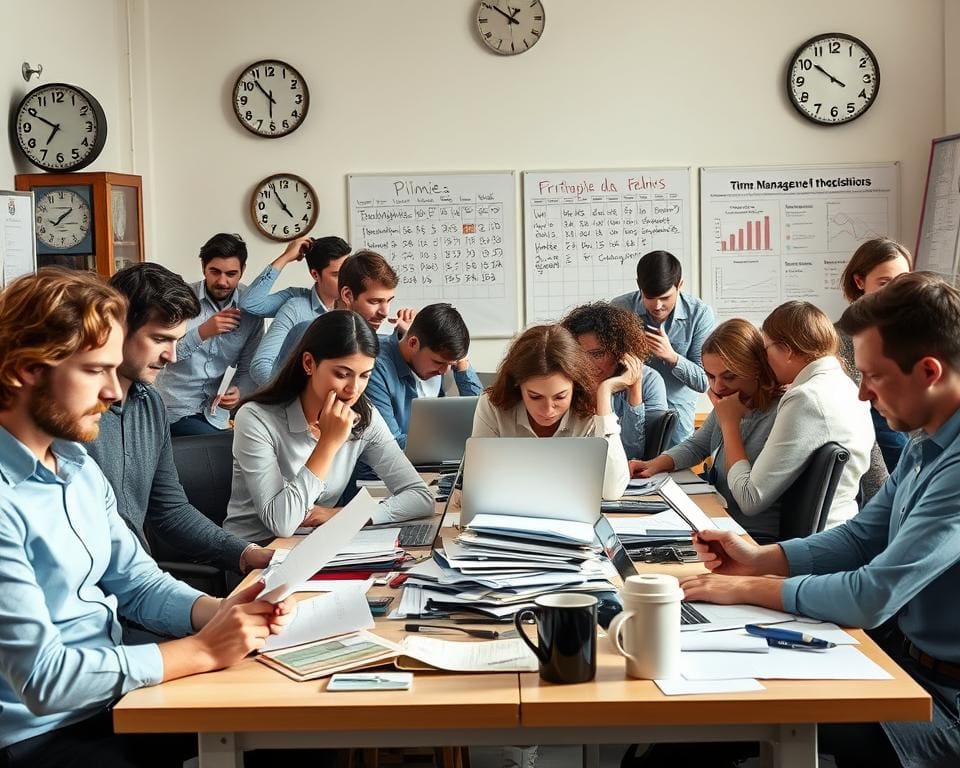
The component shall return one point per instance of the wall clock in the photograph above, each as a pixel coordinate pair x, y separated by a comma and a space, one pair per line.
510, 26
63, 219
284, 206
60, 127
833, 78
270, 98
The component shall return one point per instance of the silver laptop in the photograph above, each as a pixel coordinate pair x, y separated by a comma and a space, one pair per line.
560, 479
438, 429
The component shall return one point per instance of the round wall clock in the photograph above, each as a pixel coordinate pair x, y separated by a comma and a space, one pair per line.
60, 127
833, 78
270, 98
510, 26
284, 206
63, 219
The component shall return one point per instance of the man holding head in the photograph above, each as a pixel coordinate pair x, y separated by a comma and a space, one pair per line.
134, 447
900, 557
413, 366
291, 306
220, 337
676, 324
69, 566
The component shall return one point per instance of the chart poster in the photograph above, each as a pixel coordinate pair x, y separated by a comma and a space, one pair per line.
937, 243
770, 235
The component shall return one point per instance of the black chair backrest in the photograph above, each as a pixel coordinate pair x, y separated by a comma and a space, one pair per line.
205, 466
659, 426
805, 505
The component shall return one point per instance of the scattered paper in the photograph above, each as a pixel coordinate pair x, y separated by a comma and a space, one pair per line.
335, 613
719, 641
681, 687
511, 655
841, 663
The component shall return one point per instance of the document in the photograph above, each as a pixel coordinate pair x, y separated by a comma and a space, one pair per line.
335, 613
18, 245
844, 662
567, 531
685, 507
317, 549
511, 655
680, 687
721, 641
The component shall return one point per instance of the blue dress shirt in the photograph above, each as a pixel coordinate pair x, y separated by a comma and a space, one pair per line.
633, 418
393, 387
900, 556
68, 567
189, 385
687, 327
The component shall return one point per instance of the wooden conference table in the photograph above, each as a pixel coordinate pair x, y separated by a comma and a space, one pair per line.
250, 706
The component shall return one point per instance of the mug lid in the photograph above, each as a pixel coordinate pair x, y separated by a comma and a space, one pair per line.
653, 585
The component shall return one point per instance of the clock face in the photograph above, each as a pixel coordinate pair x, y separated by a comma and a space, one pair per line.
510, 26
63, 219
60, 127
284, 206
270, 99
833, 79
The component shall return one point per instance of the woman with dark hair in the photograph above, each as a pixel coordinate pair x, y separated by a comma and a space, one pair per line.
617, 345
546, 386
298, 439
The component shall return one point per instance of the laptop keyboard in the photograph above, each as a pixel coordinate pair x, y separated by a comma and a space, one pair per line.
419, 535
690, 615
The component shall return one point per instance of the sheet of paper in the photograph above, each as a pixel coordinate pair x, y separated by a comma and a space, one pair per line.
371, 540
681, 687
721, 641
335, 613
729, 524
844, 662
336, 585
686, 507
541, 528
648, 484
510, 655
317, 549
18, 245
640, 525
735, 616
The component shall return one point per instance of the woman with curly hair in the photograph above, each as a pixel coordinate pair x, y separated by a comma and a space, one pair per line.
617, 346
546, 386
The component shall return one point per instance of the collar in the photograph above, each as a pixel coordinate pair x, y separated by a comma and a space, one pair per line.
296, 420
137, 391
17, 463
948, 432
315, 303
390, 347
818, 366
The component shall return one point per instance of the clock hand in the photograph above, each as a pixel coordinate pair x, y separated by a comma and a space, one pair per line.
53, 133
282, 204
507, 16
272, 102
264, 92
832, 78
33, 113
57, 222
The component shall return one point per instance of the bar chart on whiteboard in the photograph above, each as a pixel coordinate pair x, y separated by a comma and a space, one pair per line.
770, 235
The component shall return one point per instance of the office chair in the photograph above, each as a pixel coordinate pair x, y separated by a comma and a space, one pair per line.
205, 466
659, 426
804, 506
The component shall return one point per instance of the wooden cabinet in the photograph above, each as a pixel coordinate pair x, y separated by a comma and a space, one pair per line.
87, 220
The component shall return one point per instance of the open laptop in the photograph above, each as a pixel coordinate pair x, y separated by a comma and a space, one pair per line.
437, 431
558, 479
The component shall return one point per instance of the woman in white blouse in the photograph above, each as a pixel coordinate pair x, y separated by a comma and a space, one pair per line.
546, 387
297, 440
820, 406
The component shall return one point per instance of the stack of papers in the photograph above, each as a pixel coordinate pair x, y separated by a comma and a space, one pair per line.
369, 550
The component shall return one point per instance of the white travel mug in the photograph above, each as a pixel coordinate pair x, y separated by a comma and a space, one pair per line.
647, 631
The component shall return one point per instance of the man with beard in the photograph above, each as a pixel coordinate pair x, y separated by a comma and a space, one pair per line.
69, 567
134, 447
221, 336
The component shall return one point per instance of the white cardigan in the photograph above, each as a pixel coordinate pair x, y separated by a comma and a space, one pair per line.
490, 421
819, 407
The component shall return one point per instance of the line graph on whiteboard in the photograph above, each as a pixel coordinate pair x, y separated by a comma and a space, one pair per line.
852, 221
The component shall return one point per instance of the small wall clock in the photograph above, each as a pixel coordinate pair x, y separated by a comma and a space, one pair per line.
60, 127
509, 27
63, 220
270, 98
284, 206
833, 78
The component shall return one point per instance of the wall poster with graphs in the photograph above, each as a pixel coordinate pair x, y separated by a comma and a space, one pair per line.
584, 232
772, 234
450, 237
938, 241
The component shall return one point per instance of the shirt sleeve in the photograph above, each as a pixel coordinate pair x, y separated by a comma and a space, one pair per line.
378, 391
280, 504
633, 418
257, 299
689, 368
799, 428
468, 383
484, 419
261, 367
243, 380
190, 343
695, 448
876, 577
616, 474
409, 497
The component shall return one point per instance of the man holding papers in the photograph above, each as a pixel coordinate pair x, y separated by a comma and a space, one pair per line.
900, 557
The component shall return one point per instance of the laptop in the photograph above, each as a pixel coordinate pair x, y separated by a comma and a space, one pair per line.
437, 431
558, 479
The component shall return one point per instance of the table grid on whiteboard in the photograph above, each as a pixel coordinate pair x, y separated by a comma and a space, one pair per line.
440, 251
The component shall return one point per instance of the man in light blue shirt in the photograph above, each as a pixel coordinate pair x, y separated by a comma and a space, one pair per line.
677, 325
413, 367
899, 559
220, 337
69, 565
292, 306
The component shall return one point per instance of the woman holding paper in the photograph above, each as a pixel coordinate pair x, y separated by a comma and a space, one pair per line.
546, 386
736, 365
298, 439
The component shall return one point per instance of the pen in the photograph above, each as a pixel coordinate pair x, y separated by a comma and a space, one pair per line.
486, 634
787, 638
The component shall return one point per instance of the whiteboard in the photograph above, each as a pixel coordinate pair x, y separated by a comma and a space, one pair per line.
584, 232
450, 237
937, 239
773, 234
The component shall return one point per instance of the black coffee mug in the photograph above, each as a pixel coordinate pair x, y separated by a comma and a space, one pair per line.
566, 636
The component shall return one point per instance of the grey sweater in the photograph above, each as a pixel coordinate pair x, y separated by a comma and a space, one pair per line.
135, 453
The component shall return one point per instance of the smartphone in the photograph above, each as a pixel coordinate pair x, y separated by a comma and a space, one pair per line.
652, 328
379, 605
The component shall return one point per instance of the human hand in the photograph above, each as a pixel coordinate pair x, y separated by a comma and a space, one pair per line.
729, 410
639, 468
335, 421
295, 250
461, 365
318, 516
630, 377
255, 557
224, 321
727, 590
727, 553
660, 346
240, 626
403, 320
230, 398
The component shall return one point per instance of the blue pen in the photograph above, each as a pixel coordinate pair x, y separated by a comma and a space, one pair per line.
787, 638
